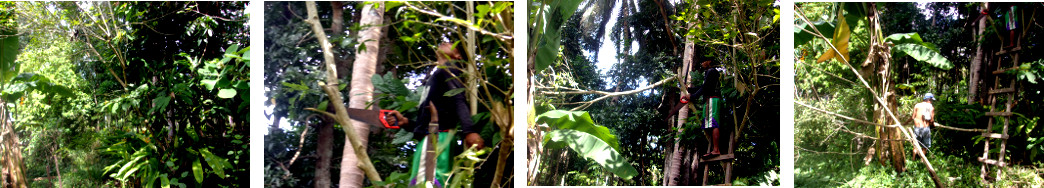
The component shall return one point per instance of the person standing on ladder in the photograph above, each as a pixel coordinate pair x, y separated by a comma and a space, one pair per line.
712, 108
1011, 22
924, 119
445, 110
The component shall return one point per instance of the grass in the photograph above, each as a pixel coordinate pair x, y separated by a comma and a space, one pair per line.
834, 170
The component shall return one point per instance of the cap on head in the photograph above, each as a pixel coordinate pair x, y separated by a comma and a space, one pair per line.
929, 96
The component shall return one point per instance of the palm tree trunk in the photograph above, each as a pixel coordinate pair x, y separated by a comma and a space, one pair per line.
12, 151
683, 114
976, 63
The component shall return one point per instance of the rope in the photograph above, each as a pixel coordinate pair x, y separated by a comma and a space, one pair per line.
872, 123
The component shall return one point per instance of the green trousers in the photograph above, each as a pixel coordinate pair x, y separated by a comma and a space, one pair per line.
711, 112
443, 160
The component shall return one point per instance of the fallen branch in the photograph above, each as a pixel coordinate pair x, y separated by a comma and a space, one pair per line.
959, 129
906, 133
872, 123
843, 116
826, 152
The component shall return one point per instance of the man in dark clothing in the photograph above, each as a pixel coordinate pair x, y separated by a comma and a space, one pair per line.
446, 111
712, 109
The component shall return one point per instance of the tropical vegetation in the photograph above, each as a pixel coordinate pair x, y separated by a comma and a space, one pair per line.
861, 67
124, 94
324, 57
604, 76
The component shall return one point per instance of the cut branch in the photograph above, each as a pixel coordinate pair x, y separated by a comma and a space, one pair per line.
605, 95
905, 133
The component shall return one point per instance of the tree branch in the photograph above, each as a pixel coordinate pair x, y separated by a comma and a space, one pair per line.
335, 96
604, 94
502, 37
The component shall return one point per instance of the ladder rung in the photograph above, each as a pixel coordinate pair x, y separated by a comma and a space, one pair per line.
992, 162
1005, 90
1002, 52
995, 135
719, 157
1001, 71
998, 113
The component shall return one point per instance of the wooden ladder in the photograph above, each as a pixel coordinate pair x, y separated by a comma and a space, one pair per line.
725, 160
1006, 93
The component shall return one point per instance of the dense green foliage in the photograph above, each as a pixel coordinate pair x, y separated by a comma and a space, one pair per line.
943, 28
649, 37
135, 94
294, 64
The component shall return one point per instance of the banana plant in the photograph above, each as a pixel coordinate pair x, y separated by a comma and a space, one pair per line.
577, 131
24, 83
840, 29
546, 22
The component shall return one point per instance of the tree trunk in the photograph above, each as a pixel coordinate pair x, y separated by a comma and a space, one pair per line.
337, 18
324, 147
356, 143
976, 63
683, 114
507, 143
667, 157
12, 151
325, 150
336, 30
57, 170
361, 88
876, 69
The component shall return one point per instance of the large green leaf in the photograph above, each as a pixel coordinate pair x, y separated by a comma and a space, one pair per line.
854, 12
579, 121
197, 171
595, 149
802, 37
164, 181
217, 163
226, 93
903, 38
9, 49
28, 82
555, 14
924, 54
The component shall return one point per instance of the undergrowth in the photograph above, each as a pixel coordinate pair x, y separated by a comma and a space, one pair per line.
836, 170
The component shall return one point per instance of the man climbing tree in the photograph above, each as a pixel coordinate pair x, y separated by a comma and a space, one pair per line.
444, 85
709, 90
924, 118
